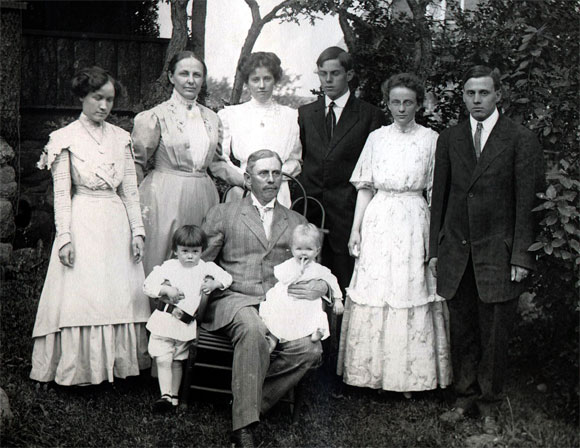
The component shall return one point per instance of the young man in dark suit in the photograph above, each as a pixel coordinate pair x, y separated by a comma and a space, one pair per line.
488, 170
333, 131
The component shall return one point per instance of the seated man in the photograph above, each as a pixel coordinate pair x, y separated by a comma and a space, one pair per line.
248, 238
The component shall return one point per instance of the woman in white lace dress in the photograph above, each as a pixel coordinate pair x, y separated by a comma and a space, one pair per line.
262, 123
180, 139
394, 331
90, 325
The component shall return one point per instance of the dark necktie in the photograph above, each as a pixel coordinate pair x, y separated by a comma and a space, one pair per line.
330, 120
477, 139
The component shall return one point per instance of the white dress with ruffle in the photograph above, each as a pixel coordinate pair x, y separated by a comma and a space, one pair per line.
251, 126
394, 331
90, 324
289, 318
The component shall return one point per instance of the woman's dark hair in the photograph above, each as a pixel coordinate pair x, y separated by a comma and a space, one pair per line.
261, 59
407, 80
189, 236
90, 79
184, 55
483, 71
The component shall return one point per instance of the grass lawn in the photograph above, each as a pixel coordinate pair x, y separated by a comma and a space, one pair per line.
334, 415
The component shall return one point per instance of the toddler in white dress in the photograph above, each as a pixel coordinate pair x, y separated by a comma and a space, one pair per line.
180, 283
286, 317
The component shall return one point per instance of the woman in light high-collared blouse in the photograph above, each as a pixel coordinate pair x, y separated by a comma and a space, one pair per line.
90, 324
262, 123
182, 137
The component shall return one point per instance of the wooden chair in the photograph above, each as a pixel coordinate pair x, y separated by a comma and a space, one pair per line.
211, 354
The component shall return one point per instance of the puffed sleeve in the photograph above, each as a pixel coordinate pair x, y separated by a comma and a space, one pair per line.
221, 166
362, 175
293, 164
155, 281
226, 136
432, 145
146, 135
129, 193
57, 142
62, 183
218, 274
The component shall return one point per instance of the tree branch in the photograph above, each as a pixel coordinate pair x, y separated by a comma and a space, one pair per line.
272, 14
254, 9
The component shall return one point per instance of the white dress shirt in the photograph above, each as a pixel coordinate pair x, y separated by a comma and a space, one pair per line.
488, 125
339, 104
266, 213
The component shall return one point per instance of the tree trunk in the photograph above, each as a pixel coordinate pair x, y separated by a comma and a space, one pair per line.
160, 90
178, 40
423, 57
251, 38
198, 16
347, 31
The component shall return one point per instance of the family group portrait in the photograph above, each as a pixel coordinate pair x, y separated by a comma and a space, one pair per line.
290, 223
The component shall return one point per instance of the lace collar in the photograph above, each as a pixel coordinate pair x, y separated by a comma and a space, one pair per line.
94, 129
267, 105
90, 124
412, 126
180, 100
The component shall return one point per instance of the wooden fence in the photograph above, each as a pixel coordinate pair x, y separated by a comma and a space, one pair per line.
50, 59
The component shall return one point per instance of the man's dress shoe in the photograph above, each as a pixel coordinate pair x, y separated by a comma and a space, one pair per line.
242, 438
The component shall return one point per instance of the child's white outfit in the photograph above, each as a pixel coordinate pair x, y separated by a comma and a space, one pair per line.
289, 318
171, 336
188, 280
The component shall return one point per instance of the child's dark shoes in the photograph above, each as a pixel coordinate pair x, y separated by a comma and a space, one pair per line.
163, 404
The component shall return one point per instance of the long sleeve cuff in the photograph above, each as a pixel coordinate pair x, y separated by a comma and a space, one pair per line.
63, 239
139, 231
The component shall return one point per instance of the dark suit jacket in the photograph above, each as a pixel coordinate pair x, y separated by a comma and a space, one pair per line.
237, 243
484, 208
328, 165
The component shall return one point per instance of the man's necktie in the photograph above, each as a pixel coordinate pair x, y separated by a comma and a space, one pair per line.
264, 211
477, 139
330, 120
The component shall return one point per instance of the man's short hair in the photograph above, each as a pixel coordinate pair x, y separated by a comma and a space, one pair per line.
482, 71
259, 155
342, 55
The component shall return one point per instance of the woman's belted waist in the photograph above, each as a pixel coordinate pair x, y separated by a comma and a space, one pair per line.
196, 173
85, 191
395, 193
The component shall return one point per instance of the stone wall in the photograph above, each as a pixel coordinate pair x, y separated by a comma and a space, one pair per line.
10, 55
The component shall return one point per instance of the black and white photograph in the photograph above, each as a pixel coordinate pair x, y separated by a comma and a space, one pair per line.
290, 223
